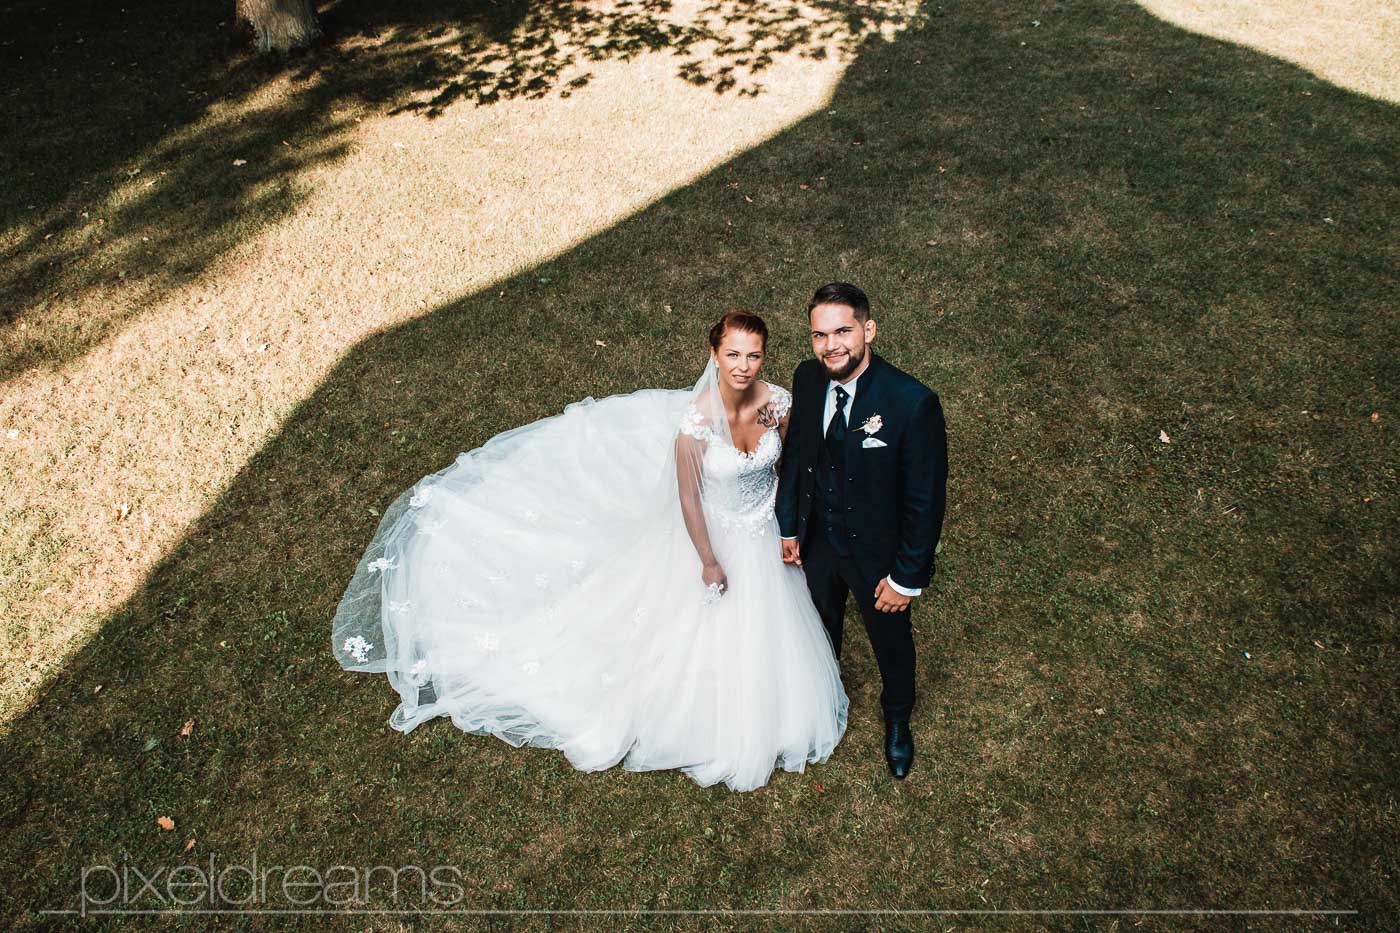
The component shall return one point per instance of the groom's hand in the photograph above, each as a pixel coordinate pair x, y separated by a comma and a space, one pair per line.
792, 554
888, 600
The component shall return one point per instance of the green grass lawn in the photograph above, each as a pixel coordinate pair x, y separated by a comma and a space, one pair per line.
1152, 675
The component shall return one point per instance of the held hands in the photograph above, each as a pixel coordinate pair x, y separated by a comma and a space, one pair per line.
887, 599
792, 554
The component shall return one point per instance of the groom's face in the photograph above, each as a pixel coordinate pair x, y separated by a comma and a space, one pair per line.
840, 339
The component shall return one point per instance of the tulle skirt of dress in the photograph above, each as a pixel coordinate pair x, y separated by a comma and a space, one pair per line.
542, 589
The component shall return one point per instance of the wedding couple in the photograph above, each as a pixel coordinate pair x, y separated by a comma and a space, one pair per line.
660, 579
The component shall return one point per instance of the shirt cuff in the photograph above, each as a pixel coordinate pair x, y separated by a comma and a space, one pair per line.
903, 590
793, 538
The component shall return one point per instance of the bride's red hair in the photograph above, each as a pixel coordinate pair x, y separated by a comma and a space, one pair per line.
738, 320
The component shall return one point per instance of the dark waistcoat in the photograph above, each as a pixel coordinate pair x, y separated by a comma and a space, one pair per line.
829, 497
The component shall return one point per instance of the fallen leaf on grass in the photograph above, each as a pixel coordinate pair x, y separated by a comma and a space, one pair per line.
238, 162
1375, 417
600, 343
1164, 437
165, 823
189, 845
187, 728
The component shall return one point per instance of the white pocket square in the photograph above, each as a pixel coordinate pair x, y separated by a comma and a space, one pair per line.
873, 442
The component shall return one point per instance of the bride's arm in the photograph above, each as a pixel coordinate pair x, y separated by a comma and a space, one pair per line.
690, 452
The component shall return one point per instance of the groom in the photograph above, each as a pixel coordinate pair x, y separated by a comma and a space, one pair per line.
861, 494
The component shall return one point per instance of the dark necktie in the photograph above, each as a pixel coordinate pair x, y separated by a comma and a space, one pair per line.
836, 431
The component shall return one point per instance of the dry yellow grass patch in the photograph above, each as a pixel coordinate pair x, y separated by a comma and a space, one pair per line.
1351, 43
107, 459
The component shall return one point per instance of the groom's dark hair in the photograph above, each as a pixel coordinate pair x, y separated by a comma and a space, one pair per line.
842, 293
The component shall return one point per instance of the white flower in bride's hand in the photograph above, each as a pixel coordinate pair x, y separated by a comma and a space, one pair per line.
382, 563
873, 424
357, 648
713, 592
421, 497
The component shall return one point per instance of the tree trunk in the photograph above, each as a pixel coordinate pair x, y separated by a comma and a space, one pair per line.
280, 25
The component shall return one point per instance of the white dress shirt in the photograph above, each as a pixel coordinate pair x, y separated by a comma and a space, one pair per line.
827, 413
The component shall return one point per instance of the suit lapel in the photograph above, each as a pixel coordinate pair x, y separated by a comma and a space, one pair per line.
865, 404
818, 409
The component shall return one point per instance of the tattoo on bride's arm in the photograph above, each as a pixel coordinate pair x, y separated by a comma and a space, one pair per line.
766, 416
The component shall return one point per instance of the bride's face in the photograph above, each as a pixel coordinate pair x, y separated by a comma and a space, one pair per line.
739, 358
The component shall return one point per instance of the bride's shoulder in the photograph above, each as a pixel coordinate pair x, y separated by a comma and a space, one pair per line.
779, 398
695, 423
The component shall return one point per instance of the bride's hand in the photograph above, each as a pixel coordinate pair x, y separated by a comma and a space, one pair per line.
714, 574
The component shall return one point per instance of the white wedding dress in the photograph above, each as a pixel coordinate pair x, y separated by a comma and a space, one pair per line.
544, 589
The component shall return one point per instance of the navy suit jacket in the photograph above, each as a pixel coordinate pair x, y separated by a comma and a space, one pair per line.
896, 494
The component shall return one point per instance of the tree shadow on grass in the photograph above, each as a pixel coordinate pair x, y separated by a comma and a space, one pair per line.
1114, 230
141, 151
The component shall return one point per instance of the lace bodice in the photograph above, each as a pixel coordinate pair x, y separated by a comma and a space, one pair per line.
741, 486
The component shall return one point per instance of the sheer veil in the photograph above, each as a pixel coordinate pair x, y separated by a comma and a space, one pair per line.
547, 588
510, 535
704, 424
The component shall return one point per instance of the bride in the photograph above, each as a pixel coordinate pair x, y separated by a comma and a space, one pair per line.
609, 582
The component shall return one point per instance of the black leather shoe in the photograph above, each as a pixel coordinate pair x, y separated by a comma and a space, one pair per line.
899, 747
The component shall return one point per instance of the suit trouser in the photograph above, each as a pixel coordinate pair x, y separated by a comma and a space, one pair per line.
830, 577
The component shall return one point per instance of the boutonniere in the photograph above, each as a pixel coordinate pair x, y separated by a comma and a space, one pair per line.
872, 424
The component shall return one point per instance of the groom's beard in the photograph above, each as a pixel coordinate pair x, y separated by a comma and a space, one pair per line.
840, 374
